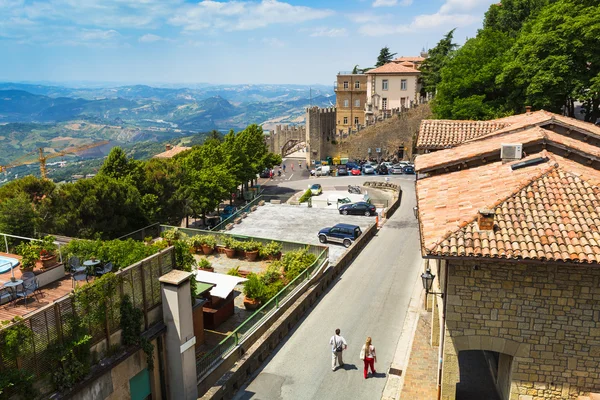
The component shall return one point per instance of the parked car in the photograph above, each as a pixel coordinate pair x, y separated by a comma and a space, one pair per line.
316, 189
321, 171
350, 165
409, 169
368, 170
265, 173
359, 208
342, 170
382, 169
340, 233
397, 169
355, 171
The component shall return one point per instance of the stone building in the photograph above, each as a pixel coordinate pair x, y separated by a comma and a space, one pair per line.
285, 137
351, 96
320, 129
510, 225
392, 87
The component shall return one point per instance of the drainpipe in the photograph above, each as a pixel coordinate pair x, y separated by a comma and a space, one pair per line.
443, 330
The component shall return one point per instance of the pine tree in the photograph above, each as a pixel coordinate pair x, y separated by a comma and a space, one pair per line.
384, 57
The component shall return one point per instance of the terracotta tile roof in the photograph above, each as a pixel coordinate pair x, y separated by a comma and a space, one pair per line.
394, 68
442, 134
409, 58
478, 149
556, 217
173, 152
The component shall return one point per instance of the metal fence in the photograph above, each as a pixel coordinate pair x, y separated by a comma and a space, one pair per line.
152, 231
214, 357
221, 226
49, 324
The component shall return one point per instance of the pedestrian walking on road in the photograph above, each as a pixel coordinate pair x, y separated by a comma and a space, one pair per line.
292, 166
368, 355
338, 345
284, 168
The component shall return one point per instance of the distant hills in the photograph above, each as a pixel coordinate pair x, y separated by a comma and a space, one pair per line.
56, 117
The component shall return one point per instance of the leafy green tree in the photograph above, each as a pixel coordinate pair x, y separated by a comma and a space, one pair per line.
99, 207
34, 188
555, 61
158, 186
117, 165
510, 15
385, 56
17, 216
468, 88
433, 64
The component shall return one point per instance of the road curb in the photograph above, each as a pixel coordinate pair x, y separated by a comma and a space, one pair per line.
395, 382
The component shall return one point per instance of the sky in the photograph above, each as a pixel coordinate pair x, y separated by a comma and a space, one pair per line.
218, 42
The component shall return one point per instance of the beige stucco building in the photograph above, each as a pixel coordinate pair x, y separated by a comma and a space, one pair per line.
509, 223
392, 87
351, 96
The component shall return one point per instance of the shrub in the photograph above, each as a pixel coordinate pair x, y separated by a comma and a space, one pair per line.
122, 253
30, 253
229, 242
235, 271
170, 235
254, 288
204, 263
270, 249
208, 240
252, 245
48, 248
307, 195
296, 262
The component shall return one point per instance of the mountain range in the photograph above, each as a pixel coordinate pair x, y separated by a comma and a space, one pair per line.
55, 117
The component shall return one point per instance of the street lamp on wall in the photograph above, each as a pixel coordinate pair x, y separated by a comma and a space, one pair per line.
428, 278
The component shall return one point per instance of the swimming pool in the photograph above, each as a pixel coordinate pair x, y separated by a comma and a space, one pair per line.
6, 263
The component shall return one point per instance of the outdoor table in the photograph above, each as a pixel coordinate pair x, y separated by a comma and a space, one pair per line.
89, 266
12, 286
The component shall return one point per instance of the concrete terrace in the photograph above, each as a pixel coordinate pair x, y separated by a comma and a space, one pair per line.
297, 224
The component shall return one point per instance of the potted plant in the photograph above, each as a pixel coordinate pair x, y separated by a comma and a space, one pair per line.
30, 253
252, 248
271, 251
47, 251
171, 235
254, 289
205, 265
230, 246
235, 271
208, 243
195, 242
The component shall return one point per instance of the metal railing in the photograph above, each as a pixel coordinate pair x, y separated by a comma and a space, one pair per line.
139, 235
260, 316
221, 226
21, 238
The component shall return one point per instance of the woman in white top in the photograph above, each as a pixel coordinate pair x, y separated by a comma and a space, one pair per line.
368, 355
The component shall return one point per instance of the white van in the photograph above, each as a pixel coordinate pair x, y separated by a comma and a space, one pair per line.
321, 171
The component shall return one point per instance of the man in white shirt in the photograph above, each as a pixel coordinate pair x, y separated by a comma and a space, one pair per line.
338, 345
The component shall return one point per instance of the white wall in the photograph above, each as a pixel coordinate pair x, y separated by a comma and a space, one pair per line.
393, 94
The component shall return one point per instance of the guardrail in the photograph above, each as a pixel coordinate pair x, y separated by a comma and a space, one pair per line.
213, 357
221, 226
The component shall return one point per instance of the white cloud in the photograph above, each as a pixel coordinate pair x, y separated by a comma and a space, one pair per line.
273, 42
331, 32
453, 13
243, 15
391, 3
149, 38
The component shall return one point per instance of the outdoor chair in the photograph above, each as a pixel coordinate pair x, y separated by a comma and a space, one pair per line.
6, 296
78, 276
74, 262
108, 267
30, 288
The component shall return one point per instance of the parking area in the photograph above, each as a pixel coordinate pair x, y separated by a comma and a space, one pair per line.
297, 224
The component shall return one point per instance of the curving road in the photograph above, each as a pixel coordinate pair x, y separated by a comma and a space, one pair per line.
370, 299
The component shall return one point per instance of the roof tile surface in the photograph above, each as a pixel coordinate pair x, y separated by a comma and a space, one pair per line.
394, 68
442, 134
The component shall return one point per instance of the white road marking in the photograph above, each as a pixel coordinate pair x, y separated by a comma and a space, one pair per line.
290, 177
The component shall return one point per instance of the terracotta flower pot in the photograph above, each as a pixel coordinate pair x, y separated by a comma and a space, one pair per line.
252, 255
207, 250
251, 304
230, 253
243, 273
48, 261
209, 269
274, 256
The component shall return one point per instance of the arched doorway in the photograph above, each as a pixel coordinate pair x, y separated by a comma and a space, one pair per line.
484, 375
290, 146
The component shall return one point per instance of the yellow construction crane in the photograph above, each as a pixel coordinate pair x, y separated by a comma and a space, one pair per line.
43, 157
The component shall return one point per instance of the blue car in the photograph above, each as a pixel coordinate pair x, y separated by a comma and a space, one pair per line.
344, 234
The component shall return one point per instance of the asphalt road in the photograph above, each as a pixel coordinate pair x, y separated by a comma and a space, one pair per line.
370, 299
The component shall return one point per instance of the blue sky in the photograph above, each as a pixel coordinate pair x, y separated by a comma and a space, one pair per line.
179, 41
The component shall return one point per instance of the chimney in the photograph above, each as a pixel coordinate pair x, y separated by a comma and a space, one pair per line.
168, 147
528, 109
485, 219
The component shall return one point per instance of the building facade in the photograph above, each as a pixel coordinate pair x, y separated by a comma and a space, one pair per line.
351, 96
392, 88
512, 237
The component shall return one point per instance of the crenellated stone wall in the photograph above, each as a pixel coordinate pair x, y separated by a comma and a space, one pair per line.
320, 129
284, 137
546, 318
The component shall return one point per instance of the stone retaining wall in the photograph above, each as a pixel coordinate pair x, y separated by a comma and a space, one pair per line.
239, 366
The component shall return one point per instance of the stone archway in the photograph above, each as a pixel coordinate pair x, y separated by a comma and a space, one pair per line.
500, 357
289, 145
